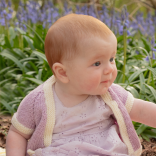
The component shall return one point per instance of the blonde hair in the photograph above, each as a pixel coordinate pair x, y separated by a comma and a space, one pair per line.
62, 39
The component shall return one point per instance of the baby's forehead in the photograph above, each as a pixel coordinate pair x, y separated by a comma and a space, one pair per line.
92, 40
96, 46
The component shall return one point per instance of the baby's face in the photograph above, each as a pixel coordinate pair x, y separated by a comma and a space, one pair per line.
93, 70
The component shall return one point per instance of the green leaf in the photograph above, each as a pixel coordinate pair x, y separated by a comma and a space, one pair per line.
120, 38
7, 43
152, 90
39, 74
40, 55
35, 33
38, 82
28, 59
29, 42
144, 136
12, 35
20, 31
8, 107
145, 51
141, 128
146, 43
150, 133
3, 94
142, 83
16, 61
133, 91
153, 70
5, 69
4, 81
34, 66
19, 52
135, 75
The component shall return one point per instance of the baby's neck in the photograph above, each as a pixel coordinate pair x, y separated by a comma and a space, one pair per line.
67, 98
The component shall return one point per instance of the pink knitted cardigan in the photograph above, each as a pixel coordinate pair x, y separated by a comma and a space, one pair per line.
36, 116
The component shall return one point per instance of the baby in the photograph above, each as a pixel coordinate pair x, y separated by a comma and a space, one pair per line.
79, 111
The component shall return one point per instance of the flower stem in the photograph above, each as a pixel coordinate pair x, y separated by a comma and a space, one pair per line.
125, 49
149, 77
150, 73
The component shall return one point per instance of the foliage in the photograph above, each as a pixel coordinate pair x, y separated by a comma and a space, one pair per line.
23, 65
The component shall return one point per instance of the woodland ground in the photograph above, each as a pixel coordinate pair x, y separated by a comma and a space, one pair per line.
149, 148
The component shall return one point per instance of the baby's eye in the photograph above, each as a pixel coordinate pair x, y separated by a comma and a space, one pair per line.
112, 59
96, 63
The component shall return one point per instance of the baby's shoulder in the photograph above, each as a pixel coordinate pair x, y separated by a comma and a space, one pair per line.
34, 96
120, 93
36, 91
118, 89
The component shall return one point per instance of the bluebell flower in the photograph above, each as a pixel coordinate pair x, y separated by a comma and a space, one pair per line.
16, 24
84, 9
2, 21
67, 10
21, 3
153, 56
10, 10
147, 59
3, 3
153, 41
91, 11
9, 3
153, 49
128, 33
137, 52
3, 13
24, 27
55, 14
50, 4
121, 30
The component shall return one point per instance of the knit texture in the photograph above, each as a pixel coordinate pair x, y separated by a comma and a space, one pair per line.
116, 100
36, 116
127, 121
32, 114
49, 100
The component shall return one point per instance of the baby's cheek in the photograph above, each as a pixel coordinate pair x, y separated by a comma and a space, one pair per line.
92, 83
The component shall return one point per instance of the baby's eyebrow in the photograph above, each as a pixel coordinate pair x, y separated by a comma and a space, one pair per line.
96, 57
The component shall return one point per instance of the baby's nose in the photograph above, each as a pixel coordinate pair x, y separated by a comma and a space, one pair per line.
108, 69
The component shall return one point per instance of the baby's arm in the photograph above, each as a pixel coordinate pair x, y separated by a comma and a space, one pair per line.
144, 112
16, 142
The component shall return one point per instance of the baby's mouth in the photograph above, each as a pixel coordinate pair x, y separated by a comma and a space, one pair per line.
106, 81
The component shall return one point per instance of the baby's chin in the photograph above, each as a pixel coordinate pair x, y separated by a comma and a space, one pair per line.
104, 91
101, 92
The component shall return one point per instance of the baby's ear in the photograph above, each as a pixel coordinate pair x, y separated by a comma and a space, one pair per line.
60, 72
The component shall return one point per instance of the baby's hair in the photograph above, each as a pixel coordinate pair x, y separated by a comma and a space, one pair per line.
62, 39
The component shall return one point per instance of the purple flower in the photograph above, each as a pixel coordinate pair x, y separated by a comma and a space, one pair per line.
147, 59
153, 41
21, 3
137, 52
3, 3
153, 56
121, 30
9, 3
153, 49
2, 21
3, 13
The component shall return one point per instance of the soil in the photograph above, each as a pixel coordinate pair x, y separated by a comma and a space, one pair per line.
149, 148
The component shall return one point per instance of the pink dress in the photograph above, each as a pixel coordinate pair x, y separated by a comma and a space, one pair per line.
86, 129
